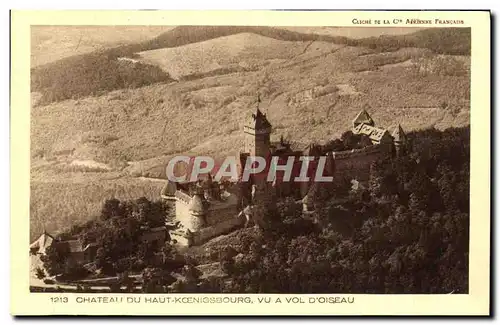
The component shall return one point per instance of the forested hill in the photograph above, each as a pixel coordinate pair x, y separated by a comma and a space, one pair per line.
100, 72
407, 233
439, 40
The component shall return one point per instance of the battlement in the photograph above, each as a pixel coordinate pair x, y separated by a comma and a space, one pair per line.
183, 197
227, 200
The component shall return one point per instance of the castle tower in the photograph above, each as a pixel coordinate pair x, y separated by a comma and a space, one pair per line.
400, 138
197, 209
257, 131
168, 191
363, 118
263, 202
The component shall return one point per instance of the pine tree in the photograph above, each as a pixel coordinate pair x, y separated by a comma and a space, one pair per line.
376, 179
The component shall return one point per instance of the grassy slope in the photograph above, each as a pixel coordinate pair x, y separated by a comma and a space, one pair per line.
59, 200
245, 51
148, 124
206, 115
52, 43
88, 74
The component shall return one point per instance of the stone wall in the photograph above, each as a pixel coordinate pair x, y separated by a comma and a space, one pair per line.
355, 164
221, 214
231, 223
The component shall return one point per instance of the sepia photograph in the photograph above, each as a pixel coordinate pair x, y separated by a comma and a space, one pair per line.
250, 159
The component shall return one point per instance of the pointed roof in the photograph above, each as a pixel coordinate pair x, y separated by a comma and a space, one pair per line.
307, 151
196, 204
169, 190
258, 120
357, 129
311, 195
363, 117
399, 135
42, 243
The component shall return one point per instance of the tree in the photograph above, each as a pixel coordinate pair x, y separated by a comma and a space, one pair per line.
447, 189
40, 273
115, 287
350, 140
54, 259
376, 180
168, 255
156, 280
110, 209
74, 271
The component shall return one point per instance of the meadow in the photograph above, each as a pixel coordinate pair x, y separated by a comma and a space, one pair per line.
65, 199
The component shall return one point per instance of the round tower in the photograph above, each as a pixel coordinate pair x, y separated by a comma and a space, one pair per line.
197, 208
197, 212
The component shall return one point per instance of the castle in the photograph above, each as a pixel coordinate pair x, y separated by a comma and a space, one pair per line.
205, 209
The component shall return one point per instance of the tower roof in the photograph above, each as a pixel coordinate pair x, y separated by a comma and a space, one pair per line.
363, 118
311, 196
169, 189
196, 204
43, 242
398, 134
257, 120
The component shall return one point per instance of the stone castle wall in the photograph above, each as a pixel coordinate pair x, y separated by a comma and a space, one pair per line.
229, 224
220, 215
355, 164
220, 219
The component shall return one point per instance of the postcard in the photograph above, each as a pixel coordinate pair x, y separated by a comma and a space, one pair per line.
250, 163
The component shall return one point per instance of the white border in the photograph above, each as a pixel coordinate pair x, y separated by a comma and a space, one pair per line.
214, 4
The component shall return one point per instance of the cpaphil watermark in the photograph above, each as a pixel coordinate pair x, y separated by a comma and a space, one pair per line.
294, 169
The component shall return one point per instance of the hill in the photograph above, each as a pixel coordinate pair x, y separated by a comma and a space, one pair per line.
90, 75
311, 99
100, 118
93, 73
52, 43
439, 40
234, 53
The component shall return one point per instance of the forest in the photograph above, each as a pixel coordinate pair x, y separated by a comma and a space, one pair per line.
406, 232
